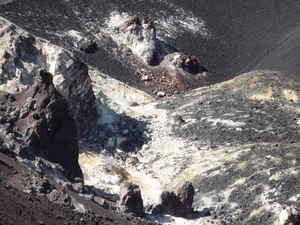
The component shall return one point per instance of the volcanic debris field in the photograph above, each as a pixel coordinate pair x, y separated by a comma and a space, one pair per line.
81, 112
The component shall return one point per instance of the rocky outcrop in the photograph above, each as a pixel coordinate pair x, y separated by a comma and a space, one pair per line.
131, 200
161, 69
289, 216
189, 63
22, 55
37, 122
177, 203
138, 34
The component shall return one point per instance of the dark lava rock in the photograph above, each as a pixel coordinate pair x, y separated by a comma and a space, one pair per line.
82, 106
185, 194
38, 123
131, 200
57, 207
189, 63
177, 204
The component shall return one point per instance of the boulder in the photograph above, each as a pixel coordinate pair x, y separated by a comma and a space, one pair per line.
289, 216
37, 122
170, 203
178, 203
138, 34
131, 200
185, 194
189, 63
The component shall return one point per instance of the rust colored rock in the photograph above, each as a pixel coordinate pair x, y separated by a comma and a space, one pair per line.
38, 123
24, 55
189, 63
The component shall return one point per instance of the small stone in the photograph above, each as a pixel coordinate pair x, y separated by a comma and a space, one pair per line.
132, 161
125, 131
161, 94
145, 147
145, 78
122, 142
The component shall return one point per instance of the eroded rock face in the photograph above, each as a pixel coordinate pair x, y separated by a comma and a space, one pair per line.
161, 69
177, 203
37, 122
131, 200
22, 55
138, 33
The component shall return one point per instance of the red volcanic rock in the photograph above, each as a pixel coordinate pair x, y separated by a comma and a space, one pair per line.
38, 123
188, 63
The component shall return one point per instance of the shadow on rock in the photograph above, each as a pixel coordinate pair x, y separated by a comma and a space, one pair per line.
115, 132
203, 213
37, 122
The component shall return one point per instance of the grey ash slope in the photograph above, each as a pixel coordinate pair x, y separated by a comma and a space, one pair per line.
247, 134
259, 106
240, 31
284, 55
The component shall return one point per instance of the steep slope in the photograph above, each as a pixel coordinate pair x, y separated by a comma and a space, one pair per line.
283, 56
225, 36
236, 141
24, 55
46, 103
30, 198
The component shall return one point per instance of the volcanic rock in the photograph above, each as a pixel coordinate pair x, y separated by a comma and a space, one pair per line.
159, 67
37, 122
185, 194
239, 142
178, 204
138, 34
59, 197
22, 55
289, 216
131, 200
189, 63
